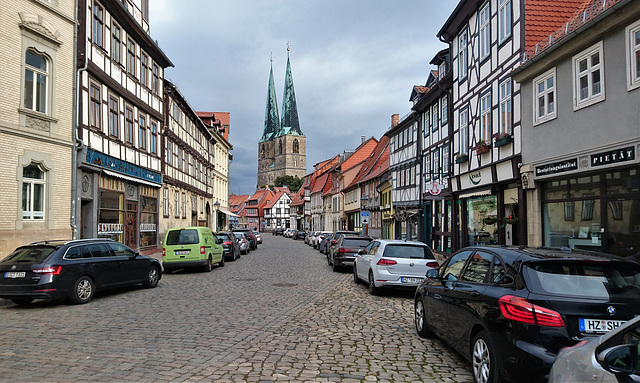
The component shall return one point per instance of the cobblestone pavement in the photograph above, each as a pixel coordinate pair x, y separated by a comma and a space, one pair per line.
276, 314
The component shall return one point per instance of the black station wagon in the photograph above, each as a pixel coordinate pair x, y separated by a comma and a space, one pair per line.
73, 270
510, 310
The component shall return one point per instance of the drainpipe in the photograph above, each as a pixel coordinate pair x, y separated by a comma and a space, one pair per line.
78, 143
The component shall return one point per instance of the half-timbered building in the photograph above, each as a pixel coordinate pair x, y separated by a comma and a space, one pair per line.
120, 109
276, 211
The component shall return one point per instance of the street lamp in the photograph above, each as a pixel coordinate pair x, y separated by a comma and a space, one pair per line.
363, 204
216, 205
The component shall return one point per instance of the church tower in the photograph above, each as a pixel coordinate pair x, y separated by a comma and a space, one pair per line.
282, 147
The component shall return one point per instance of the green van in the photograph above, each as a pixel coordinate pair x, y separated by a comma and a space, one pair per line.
191, 247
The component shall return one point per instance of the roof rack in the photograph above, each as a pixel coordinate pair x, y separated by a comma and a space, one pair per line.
48, 241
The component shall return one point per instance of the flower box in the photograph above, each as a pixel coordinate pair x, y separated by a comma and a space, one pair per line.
460, 158
501, 139
490, 220
483, 149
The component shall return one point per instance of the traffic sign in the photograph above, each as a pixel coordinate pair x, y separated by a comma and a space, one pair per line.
364, 217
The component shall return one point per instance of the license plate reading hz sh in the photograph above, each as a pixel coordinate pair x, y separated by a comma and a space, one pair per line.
598, 326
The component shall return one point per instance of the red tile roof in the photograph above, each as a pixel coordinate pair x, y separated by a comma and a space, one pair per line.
361, 154
371, 163
320, 183
543, 17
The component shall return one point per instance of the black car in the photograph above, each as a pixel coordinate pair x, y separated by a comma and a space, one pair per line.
334, 238
510, 310
299, 234
73, 269
230, 245
345, 250
253, 242
278, 231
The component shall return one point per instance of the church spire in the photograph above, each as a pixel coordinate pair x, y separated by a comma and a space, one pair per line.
271, 118
290, 124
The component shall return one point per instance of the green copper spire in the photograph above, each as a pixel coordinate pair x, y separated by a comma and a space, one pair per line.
290, 124
271, 118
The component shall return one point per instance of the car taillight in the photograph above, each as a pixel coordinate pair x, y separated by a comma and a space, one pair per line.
226, 243
52, 270
386, 262
202, 250
520, 310
163, 252
434, 265
343, 250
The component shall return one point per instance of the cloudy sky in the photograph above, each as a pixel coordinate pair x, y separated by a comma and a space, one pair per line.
354, 64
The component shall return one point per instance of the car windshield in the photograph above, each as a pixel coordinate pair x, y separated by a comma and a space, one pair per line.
407, 251
222, 236
586, 279
239, 235
355, 242
182, 237
30, 254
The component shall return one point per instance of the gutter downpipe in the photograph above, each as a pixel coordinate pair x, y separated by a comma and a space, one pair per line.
78, 143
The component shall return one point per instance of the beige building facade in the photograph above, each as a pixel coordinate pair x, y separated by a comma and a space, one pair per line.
36, 120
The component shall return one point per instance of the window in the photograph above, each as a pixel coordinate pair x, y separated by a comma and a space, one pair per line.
463, 131
504, 20
427, 122
145, 9
545, 97
485, 117
427, 167
113, 116
170, 153
98, 25
444, 114
436, 164
588, 70
128, 125
153, 138
177, 205
116, 43
436, 120
442, 70
445, 159
94, 108
177, 115
36, 80
179, 159
633, 55
506, 107
144, 72
165, 202
484, 16
33, 193
155, 81
184, 205
462, 55
131, 57
142, 132
296, 146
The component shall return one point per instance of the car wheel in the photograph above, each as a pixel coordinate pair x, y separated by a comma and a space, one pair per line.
209, 266
22, 301
83, 290
335, 266
373, 290
221, 263
243, 252
356, 280
484, 360
329, 260
421, 319
153, 276
238, 254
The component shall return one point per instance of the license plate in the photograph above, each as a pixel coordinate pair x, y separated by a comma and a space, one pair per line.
182, 252
598, 325
410, 280
15, 274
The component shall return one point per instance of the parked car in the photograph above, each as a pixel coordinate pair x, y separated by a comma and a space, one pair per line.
393, 263
188, 247
243, 241
319, 237
253, 242
278, 231
258, 236
299, 234
74, 270
289, 233
334, 237
609, 358
230, 246
345, 250
510, 310
309, 237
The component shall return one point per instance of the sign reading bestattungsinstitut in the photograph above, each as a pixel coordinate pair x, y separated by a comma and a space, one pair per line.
557, 167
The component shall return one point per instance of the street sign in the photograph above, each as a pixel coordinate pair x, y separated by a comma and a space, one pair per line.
364, 217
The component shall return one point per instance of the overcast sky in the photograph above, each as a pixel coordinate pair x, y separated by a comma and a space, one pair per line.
354, 64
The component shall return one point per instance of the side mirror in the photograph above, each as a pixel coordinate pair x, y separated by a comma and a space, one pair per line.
433, 274
619, 360
361, 251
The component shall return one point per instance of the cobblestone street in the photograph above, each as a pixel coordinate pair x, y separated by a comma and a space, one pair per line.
276, 314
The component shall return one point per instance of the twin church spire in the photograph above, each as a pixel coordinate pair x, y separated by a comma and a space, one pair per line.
275, 127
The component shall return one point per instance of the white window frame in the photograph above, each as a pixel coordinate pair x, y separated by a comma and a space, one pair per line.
505, 125
165, 202
37, 73
177, 204
505, 16
543, 80
484, 26
633, 56
463, 54
435, 111
31, 214
463, 131
592, 97
445, 160
485, 117
435, 164
444, 110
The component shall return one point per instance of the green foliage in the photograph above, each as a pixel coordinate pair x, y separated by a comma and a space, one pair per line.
294, 183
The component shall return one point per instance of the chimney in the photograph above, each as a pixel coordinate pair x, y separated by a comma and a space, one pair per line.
395, 118
363, 138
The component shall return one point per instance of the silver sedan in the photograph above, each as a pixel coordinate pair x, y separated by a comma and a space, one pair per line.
393, 263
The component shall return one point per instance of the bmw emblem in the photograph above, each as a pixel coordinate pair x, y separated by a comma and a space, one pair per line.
13, 267
611, 310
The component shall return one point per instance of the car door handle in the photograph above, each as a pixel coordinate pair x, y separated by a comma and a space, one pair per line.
475, 293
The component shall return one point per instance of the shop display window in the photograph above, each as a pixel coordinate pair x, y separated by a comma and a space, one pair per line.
482, 220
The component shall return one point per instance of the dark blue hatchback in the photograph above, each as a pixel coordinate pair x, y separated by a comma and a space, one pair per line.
73, 270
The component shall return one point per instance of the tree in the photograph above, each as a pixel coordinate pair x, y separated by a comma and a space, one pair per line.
294, 183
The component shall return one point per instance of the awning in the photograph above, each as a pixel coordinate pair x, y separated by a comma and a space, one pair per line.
227, 212
478, 193
132, 179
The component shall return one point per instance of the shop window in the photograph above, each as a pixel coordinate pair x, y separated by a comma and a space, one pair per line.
483, 221
148, 217
111, 215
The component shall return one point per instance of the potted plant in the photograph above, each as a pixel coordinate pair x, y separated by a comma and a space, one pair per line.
482, 147
462, 157
502, 139
490, 220
511, 219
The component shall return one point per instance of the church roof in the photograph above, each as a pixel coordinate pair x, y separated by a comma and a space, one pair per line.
290, 125
271, 118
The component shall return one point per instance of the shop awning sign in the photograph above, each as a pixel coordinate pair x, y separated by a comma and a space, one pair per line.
557, 167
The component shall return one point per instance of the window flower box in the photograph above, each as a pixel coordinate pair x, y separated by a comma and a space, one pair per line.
482, 147
501, 139
460, 158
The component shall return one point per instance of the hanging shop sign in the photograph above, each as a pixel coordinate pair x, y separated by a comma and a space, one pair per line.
613, 156
435, 188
